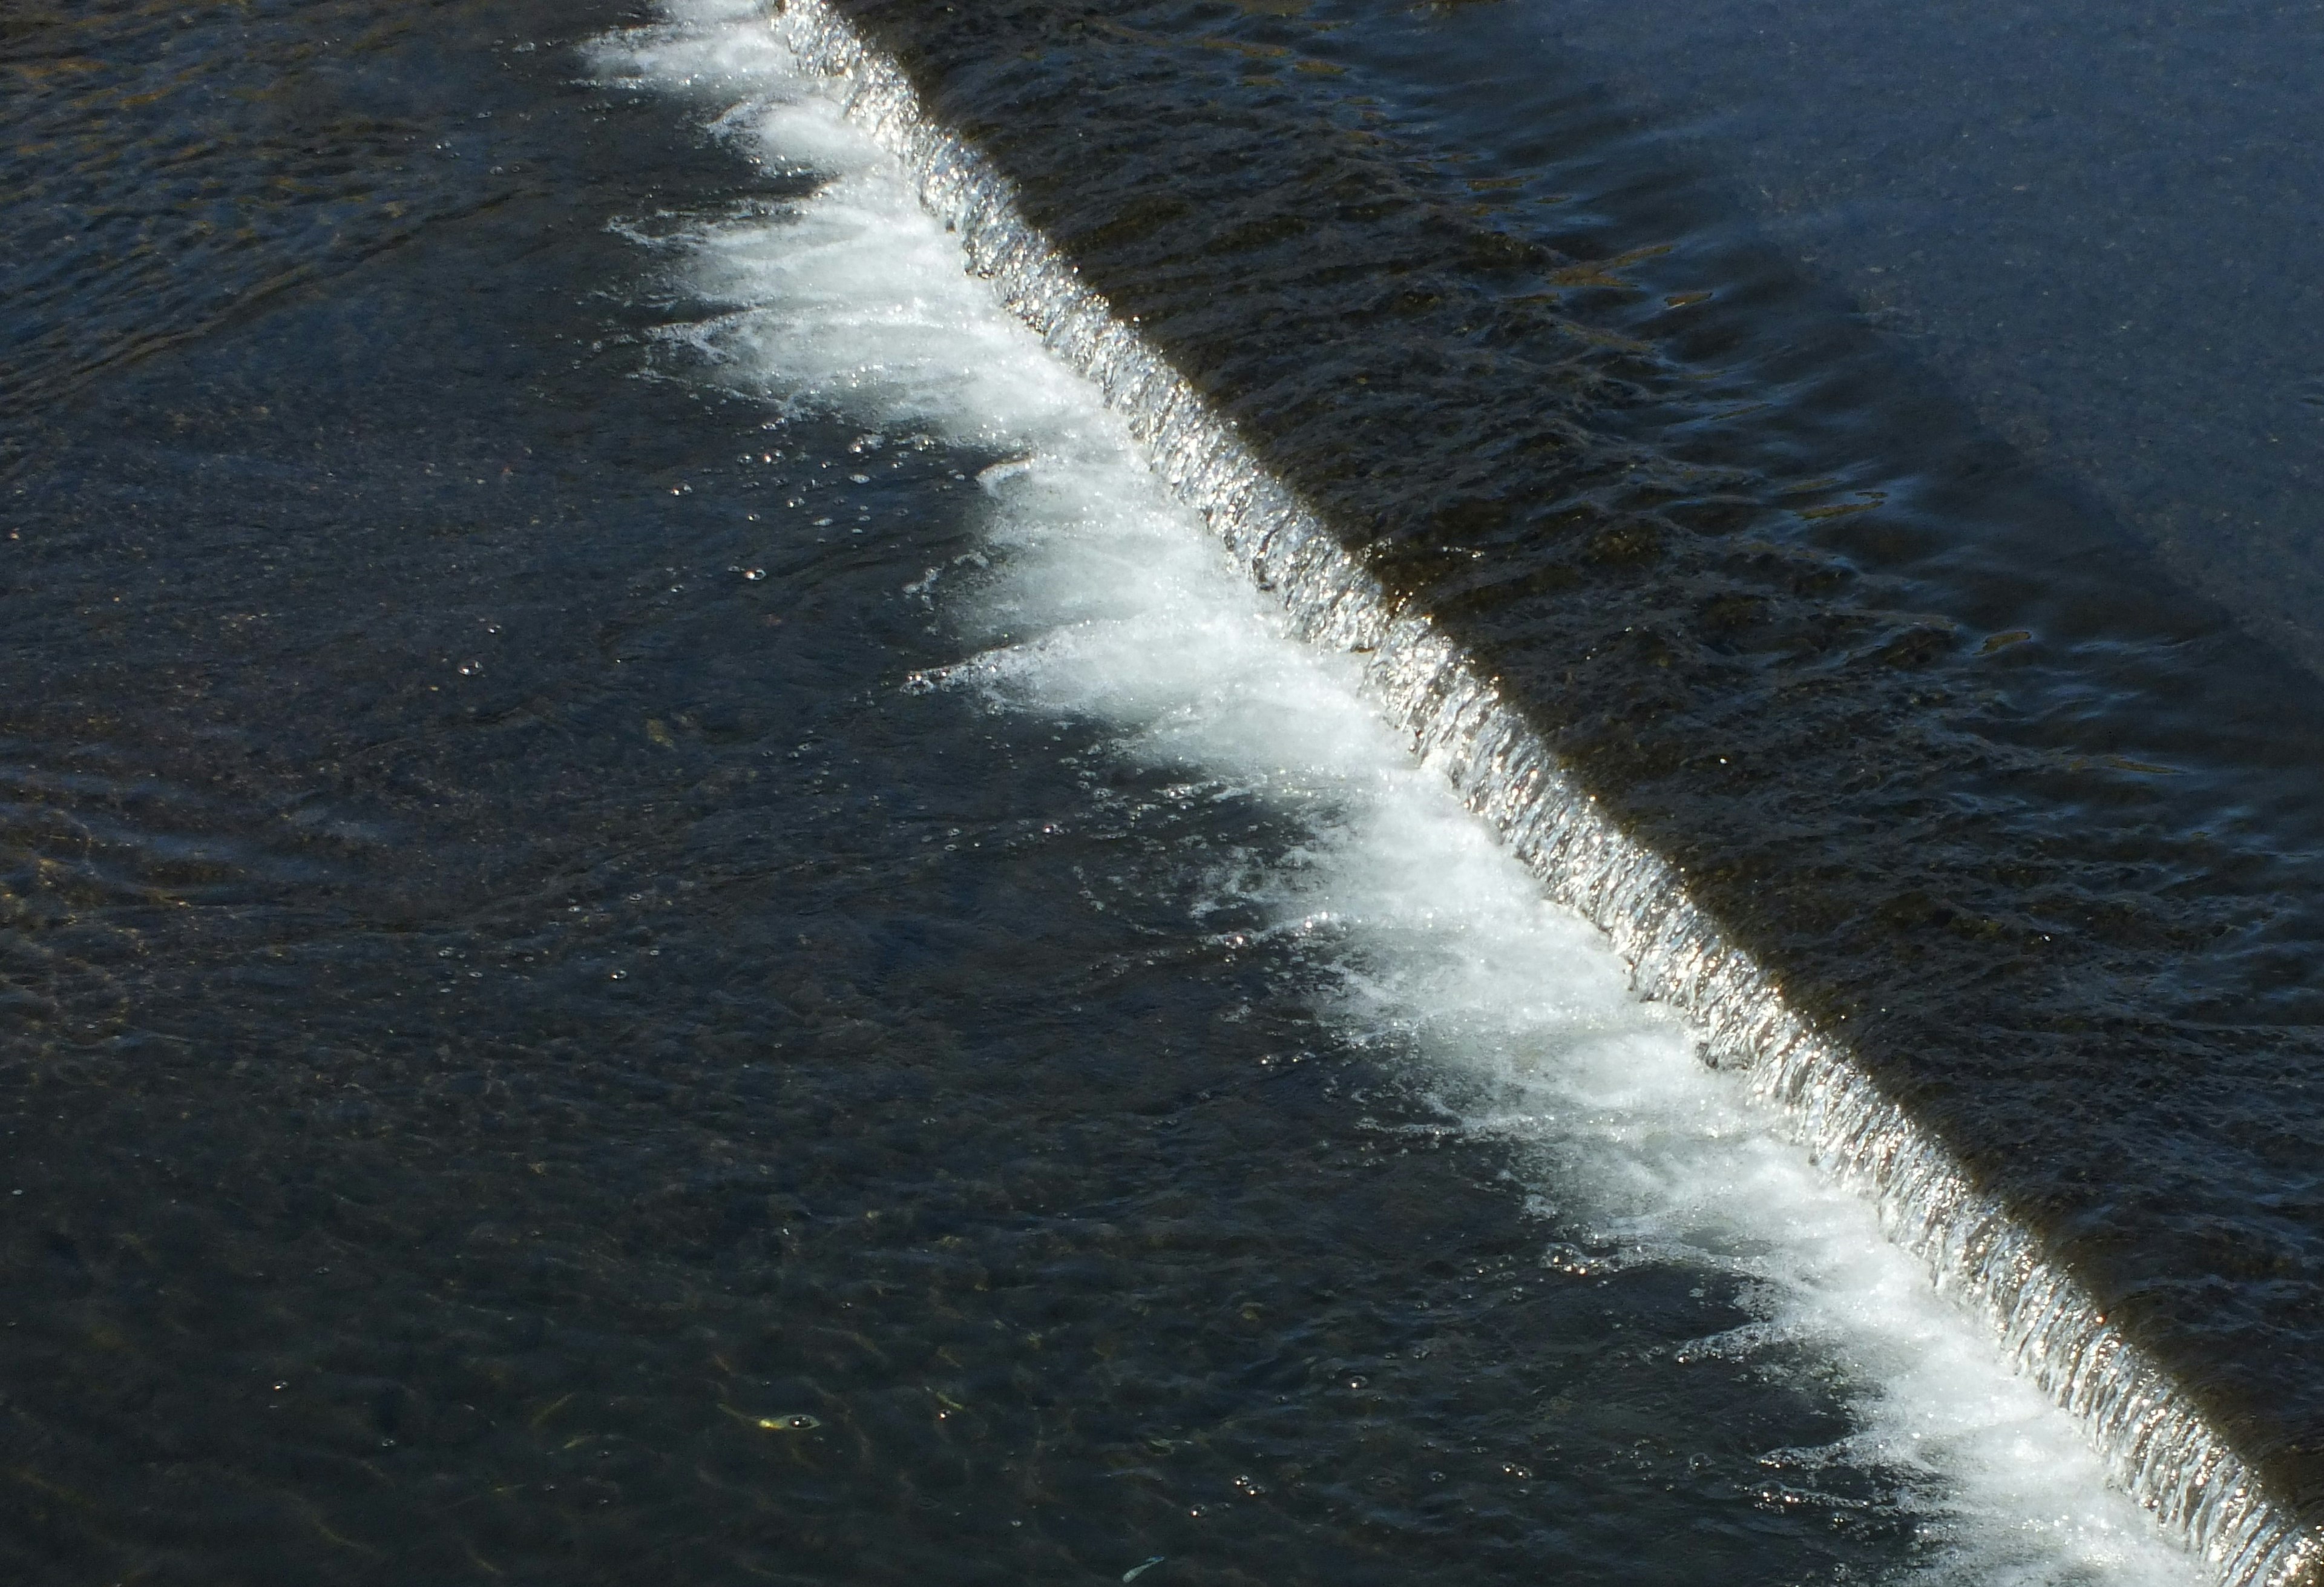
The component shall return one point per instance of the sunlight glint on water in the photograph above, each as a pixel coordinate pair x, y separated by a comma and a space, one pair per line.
1103, 599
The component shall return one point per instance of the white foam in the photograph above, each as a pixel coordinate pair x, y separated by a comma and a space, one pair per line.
1110, 603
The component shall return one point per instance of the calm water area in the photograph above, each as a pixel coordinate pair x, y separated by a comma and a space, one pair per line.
662, 920
2097, 225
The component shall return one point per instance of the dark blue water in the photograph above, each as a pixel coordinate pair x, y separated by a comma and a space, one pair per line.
608, 973
2098, 225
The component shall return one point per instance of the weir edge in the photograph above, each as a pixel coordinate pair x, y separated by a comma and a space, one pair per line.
2155, 1442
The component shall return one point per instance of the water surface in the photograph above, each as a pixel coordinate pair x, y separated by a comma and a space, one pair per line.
661, 916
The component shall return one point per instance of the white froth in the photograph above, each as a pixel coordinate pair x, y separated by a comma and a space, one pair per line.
1110, 603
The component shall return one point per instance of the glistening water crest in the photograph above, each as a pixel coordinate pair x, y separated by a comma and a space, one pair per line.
1990, 852
1097, 598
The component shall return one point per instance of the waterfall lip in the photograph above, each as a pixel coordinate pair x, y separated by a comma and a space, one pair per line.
2154, 1439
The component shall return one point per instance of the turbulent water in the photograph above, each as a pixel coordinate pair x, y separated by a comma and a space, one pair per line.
678, 906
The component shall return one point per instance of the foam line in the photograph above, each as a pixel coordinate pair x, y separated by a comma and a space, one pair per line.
2154, 1441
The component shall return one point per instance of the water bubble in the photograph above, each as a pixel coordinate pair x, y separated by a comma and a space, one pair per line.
999, 474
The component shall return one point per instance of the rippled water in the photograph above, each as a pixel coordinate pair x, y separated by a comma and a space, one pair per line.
2097, 223
663, 914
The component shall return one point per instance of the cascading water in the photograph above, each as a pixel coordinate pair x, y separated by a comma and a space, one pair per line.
2155, 1442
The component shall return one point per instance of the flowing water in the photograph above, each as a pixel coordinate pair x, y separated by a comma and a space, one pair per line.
717, 871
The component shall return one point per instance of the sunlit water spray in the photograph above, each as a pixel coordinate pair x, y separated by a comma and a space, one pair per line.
1100, 599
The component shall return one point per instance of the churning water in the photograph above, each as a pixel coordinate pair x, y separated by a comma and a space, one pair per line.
1098, 597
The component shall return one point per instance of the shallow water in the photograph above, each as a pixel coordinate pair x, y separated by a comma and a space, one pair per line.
664, 916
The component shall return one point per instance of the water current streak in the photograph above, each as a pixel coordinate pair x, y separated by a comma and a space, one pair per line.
2158, 1443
